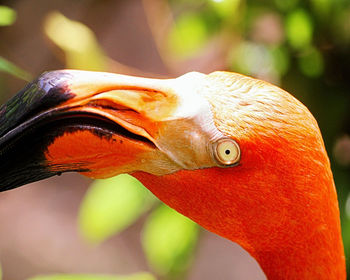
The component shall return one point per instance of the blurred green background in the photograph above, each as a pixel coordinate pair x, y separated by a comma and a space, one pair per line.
72, 228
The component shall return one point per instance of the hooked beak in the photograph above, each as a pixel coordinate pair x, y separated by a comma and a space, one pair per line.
127, 115
103, 124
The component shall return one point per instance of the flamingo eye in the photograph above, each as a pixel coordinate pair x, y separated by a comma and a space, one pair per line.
227, 151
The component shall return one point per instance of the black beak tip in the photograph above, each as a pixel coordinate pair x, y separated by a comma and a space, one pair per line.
55, 82
21, 143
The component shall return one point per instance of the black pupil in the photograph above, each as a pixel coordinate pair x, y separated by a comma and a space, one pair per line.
227, 152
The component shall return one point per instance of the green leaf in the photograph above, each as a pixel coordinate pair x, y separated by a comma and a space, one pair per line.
138, 276
111, 205
299, 29
188, 35
10, 68
311, 62
168, 240
7, 16
77, 41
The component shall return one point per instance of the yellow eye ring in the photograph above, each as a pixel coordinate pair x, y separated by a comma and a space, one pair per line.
227, 151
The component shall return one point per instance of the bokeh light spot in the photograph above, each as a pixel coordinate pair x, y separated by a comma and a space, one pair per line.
188, 35
311, 62
7, 16
299, 29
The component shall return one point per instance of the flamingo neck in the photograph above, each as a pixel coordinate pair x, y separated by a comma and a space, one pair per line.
292, 231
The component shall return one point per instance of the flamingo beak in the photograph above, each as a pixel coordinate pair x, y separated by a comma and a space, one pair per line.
119, 121
102, 124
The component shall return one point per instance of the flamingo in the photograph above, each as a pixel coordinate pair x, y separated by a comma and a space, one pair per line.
239, 156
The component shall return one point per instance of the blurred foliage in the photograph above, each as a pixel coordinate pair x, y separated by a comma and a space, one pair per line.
225, 9
77, 41
139, 276
7, 16
12, 69
299, 29
311, 62
111, 205
270, 33
188, 35
168, 240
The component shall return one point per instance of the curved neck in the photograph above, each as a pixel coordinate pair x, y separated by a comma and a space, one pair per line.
290, 226
309, 247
